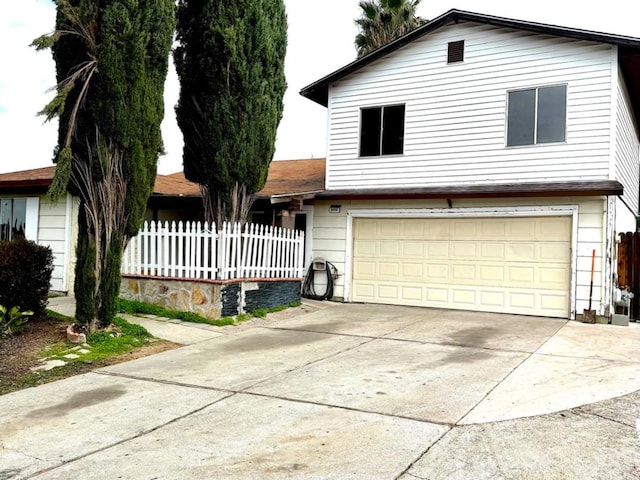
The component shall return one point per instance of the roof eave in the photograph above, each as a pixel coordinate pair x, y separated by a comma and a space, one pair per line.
510, 190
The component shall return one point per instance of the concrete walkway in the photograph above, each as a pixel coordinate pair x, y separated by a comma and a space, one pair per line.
345, 391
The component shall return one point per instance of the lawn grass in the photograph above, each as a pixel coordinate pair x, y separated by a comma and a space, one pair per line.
123, 337
102, 348
134, 307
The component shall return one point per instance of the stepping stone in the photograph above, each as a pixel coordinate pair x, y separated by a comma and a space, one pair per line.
49, 365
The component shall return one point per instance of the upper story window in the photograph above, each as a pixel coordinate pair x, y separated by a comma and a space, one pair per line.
13, 216
382, 131
537, 115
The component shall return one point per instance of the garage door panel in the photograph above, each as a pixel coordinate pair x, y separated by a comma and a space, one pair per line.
492, 299
510, 265
412, 294
553, 229
437, 250
437, 296
463, 274
464, 250
521, 229
493, 251
413, 230
464, 230
364, 248
437, 273
390, 229
522, 300
364, 230
553, 277
492, 274
388, 292
438, 230
389, 270
364, 269
554, 252
412, 249
522, 252
364, 291
463, 296
497, 229
389, 248
412, 270
521, 275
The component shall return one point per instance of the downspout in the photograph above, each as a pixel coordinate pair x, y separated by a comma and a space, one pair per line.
608, 255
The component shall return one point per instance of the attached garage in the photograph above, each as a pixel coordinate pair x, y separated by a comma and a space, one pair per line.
520, 264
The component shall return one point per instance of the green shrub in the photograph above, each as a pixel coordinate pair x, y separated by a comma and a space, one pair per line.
12, 320
25, 274
260, 312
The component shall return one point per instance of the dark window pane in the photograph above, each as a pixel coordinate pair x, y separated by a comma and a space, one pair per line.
370, 127
521, 117
552, 114
393, 130
5, 219
19, 217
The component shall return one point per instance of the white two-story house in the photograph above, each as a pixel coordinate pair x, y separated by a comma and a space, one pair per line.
477, 162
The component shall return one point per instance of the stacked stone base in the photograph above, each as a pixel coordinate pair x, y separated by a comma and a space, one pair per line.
211, 298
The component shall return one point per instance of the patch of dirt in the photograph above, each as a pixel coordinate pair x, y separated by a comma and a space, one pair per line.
20, 352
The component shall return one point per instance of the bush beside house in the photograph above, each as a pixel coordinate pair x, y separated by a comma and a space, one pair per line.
25, 275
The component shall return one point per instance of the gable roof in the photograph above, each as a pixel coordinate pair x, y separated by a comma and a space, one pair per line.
629, 52
286, 177
175, 185
37, 177
294, 177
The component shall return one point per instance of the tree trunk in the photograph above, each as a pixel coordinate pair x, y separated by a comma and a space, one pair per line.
217, 211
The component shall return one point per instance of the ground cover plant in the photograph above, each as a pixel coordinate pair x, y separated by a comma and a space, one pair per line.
44, 339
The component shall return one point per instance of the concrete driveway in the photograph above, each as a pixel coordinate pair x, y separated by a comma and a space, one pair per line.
345, 391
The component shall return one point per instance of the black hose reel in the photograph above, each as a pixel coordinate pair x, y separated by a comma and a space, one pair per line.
308, 287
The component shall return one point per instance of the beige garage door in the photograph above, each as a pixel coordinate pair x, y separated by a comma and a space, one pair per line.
510, 265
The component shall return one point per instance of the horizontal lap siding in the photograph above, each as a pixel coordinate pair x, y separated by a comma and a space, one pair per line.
627, 150
455, 114
51, 233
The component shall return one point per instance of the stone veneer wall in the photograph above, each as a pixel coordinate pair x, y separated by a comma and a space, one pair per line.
259, 294
211, 299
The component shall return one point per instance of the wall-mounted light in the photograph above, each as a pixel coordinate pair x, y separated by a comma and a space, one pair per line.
335, 208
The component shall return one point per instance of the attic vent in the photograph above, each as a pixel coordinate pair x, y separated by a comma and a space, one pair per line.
455, 52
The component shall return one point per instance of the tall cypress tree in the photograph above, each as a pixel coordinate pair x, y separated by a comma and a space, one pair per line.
111, 62
230, 61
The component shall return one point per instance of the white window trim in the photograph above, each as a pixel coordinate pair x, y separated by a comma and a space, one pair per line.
308, 239
537, 211
32, 217
381, 107
535, 117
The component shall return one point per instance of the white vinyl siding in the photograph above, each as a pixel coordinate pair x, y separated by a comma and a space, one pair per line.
455, 119
627, 149
54, 232
330, 234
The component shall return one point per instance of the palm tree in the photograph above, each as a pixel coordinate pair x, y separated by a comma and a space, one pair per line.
383, 21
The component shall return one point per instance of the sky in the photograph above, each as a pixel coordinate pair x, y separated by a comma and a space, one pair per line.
320, 41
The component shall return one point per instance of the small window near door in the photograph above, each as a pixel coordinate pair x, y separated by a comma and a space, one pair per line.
382, 131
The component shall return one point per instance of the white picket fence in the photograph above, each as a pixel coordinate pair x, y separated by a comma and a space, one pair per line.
194, 251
